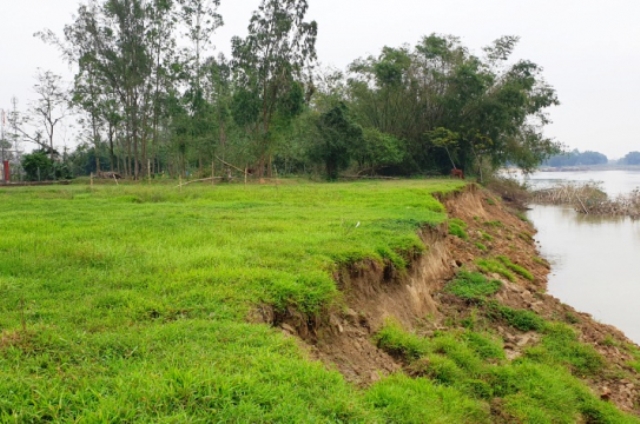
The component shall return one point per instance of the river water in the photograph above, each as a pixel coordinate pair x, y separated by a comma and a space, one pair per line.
595, 262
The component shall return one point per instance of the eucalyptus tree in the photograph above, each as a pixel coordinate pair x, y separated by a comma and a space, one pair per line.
268, 67
201, 19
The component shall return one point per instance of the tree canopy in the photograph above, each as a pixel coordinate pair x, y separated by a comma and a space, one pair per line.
154, 99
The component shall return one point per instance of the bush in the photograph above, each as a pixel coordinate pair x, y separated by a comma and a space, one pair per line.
39, 167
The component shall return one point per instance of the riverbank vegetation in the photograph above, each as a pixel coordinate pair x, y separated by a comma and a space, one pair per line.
153, 102
589, 199
142, 303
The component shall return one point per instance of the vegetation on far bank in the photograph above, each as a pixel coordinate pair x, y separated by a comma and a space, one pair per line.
590, 199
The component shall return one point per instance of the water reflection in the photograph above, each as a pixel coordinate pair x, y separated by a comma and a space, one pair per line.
595, 264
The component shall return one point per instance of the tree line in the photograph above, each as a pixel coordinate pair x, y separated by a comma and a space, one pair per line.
152, 99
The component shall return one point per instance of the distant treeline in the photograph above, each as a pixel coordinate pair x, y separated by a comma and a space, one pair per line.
576, 158
589, 158
632, 158
151, 104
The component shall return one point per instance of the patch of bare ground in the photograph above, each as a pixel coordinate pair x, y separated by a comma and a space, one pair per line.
344, 339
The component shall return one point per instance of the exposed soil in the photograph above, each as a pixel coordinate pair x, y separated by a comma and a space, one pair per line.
344, 339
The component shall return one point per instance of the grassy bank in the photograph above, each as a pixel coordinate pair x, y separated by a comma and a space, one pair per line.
129, 303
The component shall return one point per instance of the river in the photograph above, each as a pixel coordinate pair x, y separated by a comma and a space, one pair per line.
595, 262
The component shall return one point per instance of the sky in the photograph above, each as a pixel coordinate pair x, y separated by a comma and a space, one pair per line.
589, 49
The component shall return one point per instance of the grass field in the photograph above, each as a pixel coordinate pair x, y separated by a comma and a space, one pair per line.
134, 298
129, 304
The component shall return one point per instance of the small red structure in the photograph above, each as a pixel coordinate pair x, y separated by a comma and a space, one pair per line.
457, 173
7, 171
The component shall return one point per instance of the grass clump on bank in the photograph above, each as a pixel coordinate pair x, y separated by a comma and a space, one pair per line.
135, 298
516, 268
472, 286
458, 228
472, 367
490, 266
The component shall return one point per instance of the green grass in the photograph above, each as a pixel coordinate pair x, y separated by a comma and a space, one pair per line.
494, 224
135, 298
486, 236
462, 373
560, 345
490, 266
481, 247
516, 268
458, 228
472, 286
519, 319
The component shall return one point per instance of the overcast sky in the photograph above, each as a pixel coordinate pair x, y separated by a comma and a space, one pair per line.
589, 49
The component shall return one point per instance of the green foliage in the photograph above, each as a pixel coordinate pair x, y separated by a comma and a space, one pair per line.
38, 166
378, 150
560, 345
519, 319
401, 399
394, 340
529, 389
457, 227
516, 268
452, 108
494, 224
339, 134
472, 286
486, 236
481, 247
489, 266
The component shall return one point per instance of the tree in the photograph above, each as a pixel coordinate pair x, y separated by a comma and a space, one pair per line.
339, 136
632, 158
268, 66
495, 110
45, 113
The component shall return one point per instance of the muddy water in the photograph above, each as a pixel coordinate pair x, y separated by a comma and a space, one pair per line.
595, 262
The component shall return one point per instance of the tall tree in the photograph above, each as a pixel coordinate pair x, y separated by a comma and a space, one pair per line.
268, 67
45, 113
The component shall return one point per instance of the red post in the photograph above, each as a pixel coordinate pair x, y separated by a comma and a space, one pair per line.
7, 172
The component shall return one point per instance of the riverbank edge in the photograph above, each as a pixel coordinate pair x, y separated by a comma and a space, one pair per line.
418, 300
